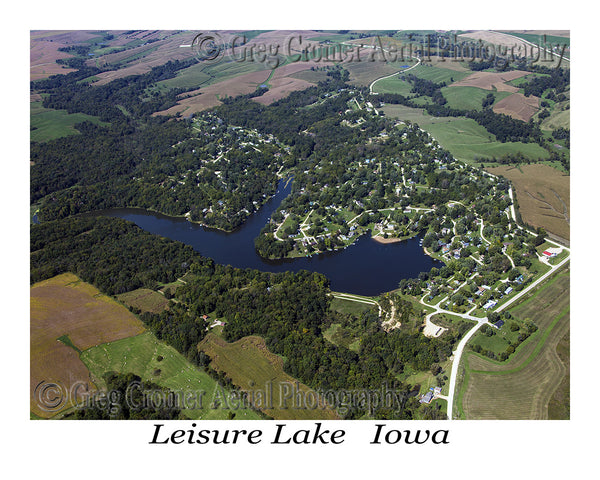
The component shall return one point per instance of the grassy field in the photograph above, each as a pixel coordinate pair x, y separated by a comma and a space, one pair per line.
414, 115
463, 137
253, 368
468, 141
438, 74
49, 124
69, 316
159, 363
145, 299
337, 335
533, 378
469, 98
350, 307
393, 85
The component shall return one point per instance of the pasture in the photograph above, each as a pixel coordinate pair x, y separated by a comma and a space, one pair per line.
470, 142
48, 124
159, 363
253, 368
440, 73
469, 98
68, 316
524, 386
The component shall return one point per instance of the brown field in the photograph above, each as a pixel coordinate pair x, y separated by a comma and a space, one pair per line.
158, 53
518, 106
525, 386
282, 83
281, 88
543, 194
491, 80
251, 366
145, 299
208, 97
310, 76
44, 45
363, 73
64, 305
42, 59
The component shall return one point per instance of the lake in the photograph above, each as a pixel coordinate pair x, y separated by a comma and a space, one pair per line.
365, 268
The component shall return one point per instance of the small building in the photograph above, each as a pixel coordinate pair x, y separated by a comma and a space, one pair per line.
490, 304
508, 290
552, 252
427, 398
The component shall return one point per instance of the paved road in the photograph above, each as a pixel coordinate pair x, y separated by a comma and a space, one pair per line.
459, 350
395, 73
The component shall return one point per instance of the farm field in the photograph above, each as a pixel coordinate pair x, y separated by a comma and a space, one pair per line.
65, 308
48, 124
159, 363
468, 141
363, 73
414, 115
491, 80
524, 386
469, 98
518, 106
543, 194
232, 79
463, 137
450, 72
251, 366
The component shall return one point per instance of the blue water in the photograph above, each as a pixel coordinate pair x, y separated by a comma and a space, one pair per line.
365, 268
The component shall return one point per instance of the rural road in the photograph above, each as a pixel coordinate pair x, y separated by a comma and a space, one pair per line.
395, 73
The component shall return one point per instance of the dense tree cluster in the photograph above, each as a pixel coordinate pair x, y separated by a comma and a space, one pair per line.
112, 254
557, 79
129, 398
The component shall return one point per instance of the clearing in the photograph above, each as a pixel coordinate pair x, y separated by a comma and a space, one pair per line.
253, 368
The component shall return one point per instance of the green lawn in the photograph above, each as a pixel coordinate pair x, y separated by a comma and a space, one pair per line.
140, 355
48, 124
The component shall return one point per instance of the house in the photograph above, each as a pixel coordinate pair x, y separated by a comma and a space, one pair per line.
508, 290
427, 398
489, 304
